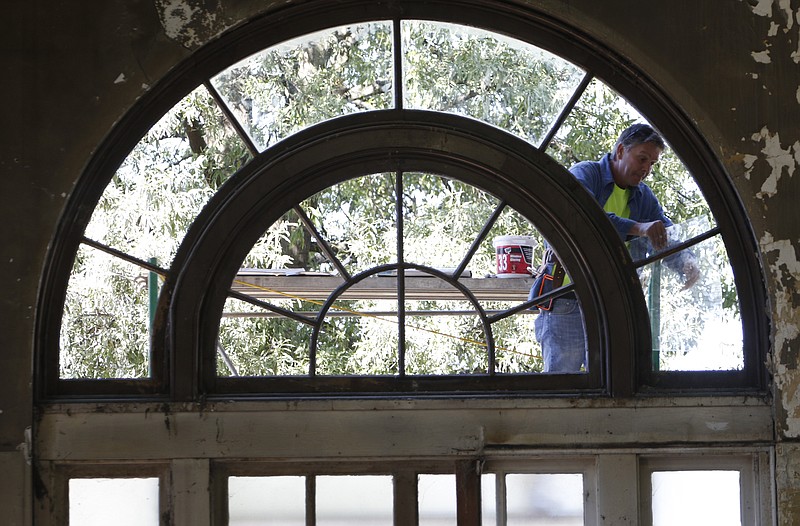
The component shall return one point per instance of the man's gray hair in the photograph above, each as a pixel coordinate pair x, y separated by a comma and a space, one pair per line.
637, 134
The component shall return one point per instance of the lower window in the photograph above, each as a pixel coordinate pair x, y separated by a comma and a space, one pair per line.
506, 489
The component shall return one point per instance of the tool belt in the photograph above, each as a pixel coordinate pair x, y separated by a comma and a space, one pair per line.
548, 277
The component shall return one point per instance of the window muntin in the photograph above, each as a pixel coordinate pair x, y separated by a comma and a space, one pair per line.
752, 362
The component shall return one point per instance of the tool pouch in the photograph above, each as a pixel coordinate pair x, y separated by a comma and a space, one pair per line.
549, 276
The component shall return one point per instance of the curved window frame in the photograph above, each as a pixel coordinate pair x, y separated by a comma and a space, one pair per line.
171, 379
407, 141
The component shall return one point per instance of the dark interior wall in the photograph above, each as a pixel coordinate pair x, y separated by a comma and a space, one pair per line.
72, 69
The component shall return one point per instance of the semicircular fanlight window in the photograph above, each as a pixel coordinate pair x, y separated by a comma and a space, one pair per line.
187, 156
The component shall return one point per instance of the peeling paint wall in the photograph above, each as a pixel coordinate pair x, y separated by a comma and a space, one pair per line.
781, 161
770, 162
772, 167
191, 22
782, 20
786, 275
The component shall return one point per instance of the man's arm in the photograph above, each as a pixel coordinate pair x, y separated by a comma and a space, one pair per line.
653, 225
652, 222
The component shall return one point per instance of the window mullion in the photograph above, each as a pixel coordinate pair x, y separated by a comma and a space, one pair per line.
501, 498
406, 509
311, 500
323, 243
476, 244
677, 248
397, 37
401, 278
468, 492
611, 494
147, 265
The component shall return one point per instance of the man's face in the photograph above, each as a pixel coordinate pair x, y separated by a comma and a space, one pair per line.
634, 164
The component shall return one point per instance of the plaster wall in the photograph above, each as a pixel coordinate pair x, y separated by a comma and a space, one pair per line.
72, 69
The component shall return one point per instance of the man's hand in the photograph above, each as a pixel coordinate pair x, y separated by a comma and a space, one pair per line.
691, 273
655, 231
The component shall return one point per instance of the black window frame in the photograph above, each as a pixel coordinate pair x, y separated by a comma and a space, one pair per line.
172, 380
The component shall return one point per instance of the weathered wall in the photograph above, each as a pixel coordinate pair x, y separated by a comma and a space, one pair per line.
72, 69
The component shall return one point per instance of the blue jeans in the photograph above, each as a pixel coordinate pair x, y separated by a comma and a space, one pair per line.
561, 333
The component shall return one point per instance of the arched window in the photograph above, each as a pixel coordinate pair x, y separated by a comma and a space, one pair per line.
313, 209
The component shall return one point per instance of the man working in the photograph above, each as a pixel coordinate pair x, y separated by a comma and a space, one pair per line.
616, 182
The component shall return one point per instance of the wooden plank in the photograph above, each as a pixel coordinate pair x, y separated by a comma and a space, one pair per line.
380, 287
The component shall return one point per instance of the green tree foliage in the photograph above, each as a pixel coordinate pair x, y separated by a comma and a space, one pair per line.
145, 211
291, 86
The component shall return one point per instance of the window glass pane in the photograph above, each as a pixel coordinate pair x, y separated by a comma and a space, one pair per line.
489, 499
694, 329
292, 85
593, 125
436, 500
499, 80
544, 498
560, 331
710, 334
105, 326
592, 128
696, 498
357, 218
363, 341
515, 345
254, 341
266, 500
514, 249
347, 500
169, 176
441, 219
446, 337
122, 502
